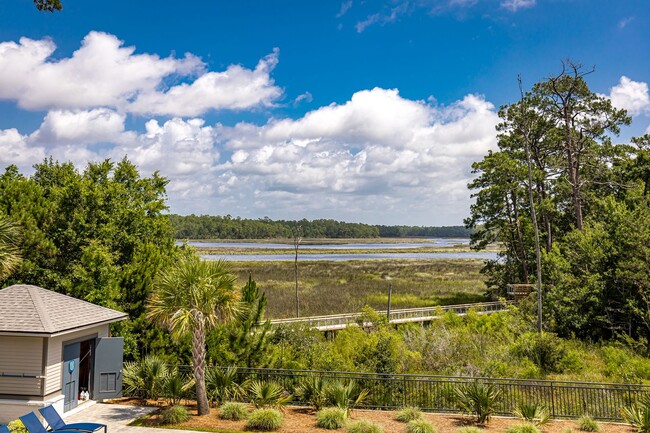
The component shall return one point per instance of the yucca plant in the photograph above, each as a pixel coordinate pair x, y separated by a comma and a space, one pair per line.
313, 390
638, 415
533, 413
268, 395
479, 399
221, 385
145, 378
345, 395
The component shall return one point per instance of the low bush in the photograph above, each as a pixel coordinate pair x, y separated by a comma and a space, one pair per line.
363, 426
331, 418
174, 415
17, 426
265, 420
524, 428
587, 423
233, 411
420, 426
407, 414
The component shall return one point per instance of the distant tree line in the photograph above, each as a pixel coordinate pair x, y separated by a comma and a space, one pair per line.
228, 227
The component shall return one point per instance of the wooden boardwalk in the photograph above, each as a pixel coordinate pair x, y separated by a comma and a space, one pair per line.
337, 322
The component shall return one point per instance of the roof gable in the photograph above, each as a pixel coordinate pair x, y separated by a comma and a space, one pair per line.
35, 310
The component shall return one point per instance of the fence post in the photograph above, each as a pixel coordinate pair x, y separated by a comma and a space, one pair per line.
552, 401
404, 393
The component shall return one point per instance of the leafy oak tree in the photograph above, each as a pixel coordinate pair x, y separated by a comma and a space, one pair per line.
100, 235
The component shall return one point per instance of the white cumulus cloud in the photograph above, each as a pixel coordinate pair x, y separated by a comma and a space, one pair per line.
377, 152
105, 73
631, 95
79, 126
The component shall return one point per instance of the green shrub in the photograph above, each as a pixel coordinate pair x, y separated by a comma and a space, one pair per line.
639, 416
265, 420
524, 428
479, 399
331, 418
546, 351
533, 413
268, 394
470, 429
17, 426
420, 426
176, 385
233, 411
174, 415
407, 414
587, 423
363, 426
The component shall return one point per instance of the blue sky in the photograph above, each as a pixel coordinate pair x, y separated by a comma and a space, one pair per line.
368, 111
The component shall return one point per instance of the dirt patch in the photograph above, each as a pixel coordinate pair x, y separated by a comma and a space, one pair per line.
303, 420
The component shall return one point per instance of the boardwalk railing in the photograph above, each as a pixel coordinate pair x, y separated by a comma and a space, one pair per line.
339, 321
437, 393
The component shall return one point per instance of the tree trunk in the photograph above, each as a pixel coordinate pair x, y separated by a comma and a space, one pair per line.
198, 364
520, 237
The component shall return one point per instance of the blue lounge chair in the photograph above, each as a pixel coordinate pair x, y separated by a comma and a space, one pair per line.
33, 424
57, 424
4, 429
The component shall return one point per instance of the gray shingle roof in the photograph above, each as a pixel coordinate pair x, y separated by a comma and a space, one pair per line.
34, 310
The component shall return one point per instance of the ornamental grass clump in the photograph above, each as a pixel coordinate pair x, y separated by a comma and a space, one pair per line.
174, 415
407, 414
233, 411
524, 428
265, 420
331, 418
587, 423
363, 426
420, 426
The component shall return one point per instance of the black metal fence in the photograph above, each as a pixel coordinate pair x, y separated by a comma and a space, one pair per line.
437, 393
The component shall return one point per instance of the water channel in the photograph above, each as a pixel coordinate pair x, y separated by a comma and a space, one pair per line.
436, 242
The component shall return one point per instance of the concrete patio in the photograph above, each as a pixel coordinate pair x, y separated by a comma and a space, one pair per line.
116, 417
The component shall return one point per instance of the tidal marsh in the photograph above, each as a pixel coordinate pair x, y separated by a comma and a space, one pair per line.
340, 287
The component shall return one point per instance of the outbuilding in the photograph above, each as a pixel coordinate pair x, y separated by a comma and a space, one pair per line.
54, 350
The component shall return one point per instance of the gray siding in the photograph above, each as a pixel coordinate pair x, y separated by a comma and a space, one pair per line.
21, 355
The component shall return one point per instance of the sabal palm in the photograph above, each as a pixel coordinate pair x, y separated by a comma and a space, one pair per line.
9, 252
191, 297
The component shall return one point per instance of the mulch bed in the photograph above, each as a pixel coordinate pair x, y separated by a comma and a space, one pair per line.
303, 420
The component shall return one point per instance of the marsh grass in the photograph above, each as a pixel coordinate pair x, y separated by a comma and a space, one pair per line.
340, 287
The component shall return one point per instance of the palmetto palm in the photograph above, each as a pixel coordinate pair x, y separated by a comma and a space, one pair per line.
9, 252
190, 297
